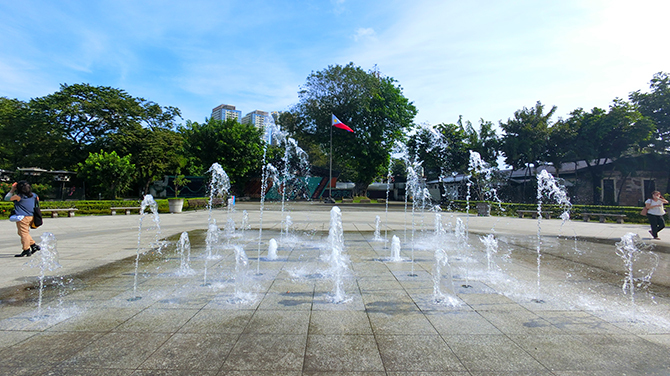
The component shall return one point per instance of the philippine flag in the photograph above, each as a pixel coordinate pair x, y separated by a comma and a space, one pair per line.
338, 124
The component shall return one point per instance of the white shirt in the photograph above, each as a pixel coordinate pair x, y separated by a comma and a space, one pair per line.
655, 210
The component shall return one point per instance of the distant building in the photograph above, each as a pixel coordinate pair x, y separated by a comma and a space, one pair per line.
225, 112
260, 119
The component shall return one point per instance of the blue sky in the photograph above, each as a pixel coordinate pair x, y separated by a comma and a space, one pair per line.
479, 59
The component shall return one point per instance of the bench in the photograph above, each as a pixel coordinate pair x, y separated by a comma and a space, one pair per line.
587, 216
364, 201
347, 200
533, 213
127, 209
54, 212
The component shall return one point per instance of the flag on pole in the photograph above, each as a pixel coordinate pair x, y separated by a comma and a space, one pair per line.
338, 124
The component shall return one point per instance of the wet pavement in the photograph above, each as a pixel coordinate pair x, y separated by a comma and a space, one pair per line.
501, 319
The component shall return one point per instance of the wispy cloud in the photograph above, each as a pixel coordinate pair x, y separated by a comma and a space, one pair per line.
367, 33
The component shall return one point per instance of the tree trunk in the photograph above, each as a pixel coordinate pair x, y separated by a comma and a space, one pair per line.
360, 189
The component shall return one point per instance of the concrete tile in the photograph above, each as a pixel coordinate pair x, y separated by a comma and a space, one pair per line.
192, 351
518, 322
61, 346
399, 322
292, 301
495, 352
578, 322
267, 352
11, 337
156, 320
96, 320
342, 353
461, 322
278, 322
417, 353
117, 350
77, 371
218, 321
339, 323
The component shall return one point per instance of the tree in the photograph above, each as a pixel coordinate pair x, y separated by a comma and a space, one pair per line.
369, 103
155, 152
16, 146
656, 106
107, 173
442, 149
524, 140
600, 135
78, 118
238, 148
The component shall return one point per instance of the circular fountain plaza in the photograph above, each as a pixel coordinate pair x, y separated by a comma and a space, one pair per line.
462, 295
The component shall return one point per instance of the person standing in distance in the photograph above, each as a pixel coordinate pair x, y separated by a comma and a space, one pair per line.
24, 204
655, 213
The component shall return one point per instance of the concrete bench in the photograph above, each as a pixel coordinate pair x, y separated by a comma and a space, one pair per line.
364, 201
127, 209
54, 212
532, 213
347, 200
601, 216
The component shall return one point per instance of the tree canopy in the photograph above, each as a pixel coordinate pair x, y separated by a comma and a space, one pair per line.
371, 104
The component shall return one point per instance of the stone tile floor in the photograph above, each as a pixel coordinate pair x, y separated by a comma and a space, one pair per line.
282, 322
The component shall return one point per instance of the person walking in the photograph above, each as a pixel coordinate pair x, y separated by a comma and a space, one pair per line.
24, 205
655, 213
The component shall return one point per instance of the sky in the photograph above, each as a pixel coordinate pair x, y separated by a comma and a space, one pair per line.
480, 59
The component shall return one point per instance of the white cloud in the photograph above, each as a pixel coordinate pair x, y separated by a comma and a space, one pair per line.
365, 34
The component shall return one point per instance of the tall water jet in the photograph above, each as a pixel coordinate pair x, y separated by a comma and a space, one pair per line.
245, 222
219, 185
272, 250
337, 260
46, 260
547, 185
463, 248
241, 296
632, 250
439, 297
147, 202
184, 247
395, 250
491, 245
269, 171
211, 240
377, 234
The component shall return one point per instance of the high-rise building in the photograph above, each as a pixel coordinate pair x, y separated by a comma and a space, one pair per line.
260, 119
225, 112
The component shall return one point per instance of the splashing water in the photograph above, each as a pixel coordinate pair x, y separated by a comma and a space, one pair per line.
547, 185
395, 250
211, 240
147, 202
47, 261
269, 172
241, 296
219, 186
491, 245
272, 249
377, 234
637, 258
439, 297
184, 247
337, 259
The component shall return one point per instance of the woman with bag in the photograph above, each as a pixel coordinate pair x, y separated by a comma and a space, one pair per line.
655, 213
25, 202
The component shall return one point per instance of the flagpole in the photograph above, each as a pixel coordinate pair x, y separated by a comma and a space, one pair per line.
330, 175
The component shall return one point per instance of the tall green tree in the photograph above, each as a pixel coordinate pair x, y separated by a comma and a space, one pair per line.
656, 106
17, 148
598, 136
78, 118
155, 152
238, 148
371, 104
107, 173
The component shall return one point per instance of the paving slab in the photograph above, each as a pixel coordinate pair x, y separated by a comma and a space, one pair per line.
99, 315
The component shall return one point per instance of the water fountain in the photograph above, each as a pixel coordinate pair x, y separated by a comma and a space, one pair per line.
272, 250
47, 261
377, 233
395, 250
640, 263
337, 259
184, 247
269, 173
147, 202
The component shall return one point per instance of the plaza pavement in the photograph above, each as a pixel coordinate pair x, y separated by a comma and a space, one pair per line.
389, 327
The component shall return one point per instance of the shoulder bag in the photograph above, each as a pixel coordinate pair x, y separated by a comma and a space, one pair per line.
37, 215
